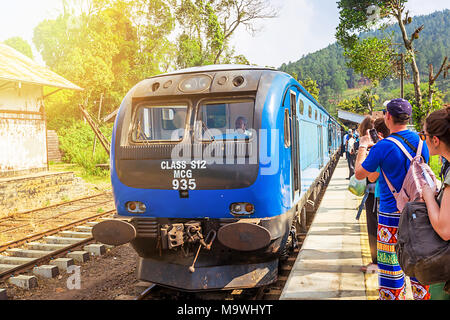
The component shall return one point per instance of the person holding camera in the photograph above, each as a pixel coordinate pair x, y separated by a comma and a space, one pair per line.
369, 205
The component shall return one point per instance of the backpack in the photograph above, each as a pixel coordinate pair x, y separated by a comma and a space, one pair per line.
418, 174
420, 250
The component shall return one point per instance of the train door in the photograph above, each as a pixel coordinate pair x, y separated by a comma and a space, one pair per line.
295, 152
320, 136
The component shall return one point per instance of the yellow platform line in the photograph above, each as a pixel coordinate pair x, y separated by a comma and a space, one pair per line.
370, 279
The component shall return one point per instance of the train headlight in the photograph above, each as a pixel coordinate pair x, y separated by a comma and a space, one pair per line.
135, 207
196, 84
242, 209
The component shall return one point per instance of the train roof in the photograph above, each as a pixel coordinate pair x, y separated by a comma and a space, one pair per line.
230, 67
214, 68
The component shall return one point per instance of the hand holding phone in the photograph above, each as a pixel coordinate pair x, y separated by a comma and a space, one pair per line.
374, 135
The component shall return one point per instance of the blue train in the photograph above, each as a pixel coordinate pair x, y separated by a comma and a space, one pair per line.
212, 170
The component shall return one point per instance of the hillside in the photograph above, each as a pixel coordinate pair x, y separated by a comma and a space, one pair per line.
328, 66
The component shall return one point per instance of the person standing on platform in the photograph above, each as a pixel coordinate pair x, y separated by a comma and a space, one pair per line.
391, 160
436, 133
351, 155
371, 214
345, 140
372, 207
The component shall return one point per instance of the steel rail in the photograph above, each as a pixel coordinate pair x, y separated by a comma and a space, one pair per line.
40, 235
28, 265
54, 217
55, 205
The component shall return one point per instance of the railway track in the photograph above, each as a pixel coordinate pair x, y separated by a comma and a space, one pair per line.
62, 228
29, 225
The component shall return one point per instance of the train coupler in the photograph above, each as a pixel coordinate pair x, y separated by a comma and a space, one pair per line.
207, 246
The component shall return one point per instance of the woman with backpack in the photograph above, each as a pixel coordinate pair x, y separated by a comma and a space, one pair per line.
436, 133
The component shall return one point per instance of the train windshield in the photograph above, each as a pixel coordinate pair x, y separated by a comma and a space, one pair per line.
159, 123
225, 120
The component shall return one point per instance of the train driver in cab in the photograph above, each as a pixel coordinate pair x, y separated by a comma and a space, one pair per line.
241, 126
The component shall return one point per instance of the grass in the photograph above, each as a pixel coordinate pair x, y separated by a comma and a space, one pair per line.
351, 93
102, 182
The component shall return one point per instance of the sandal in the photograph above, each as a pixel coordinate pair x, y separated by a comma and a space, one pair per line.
370, 268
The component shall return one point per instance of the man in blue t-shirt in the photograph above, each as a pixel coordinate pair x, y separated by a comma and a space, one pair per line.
392, 161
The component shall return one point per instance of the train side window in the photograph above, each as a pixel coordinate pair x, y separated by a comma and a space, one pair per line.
287, 129
310, 112
301, 106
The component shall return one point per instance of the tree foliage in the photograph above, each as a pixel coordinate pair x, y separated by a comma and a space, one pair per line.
357, 16
208, 26
334, 77
372, 57
20, 45
107, 46
312, 87
362, 104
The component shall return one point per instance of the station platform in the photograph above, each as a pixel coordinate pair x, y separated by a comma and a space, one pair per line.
329, 263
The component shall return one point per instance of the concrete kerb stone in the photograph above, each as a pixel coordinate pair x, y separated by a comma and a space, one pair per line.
24, 282
3, 295
62, 263
79, 256
46, 271
95, 249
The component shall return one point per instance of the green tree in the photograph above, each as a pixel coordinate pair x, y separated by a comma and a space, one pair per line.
369, 97
353, 105
312, 87
208, 25
105, 47
20, 45
357, 16
372, 57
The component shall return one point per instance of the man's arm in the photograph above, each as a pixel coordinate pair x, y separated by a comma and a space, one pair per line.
373, 176
364, 143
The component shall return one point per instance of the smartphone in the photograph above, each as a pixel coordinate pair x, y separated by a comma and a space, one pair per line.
374, 135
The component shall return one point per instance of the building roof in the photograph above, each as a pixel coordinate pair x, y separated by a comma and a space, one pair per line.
16, 67
350, 116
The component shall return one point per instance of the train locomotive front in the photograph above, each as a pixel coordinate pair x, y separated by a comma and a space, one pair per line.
202, 177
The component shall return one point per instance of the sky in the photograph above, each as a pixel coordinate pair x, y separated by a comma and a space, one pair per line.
302, 27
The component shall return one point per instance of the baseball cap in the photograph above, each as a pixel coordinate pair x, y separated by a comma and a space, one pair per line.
399, 106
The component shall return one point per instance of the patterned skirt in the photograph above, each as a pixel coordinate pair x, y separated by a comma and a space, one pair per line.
392, 284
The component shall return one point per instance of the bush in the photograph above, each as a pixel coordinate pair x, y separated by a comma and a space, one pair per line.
77, 142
